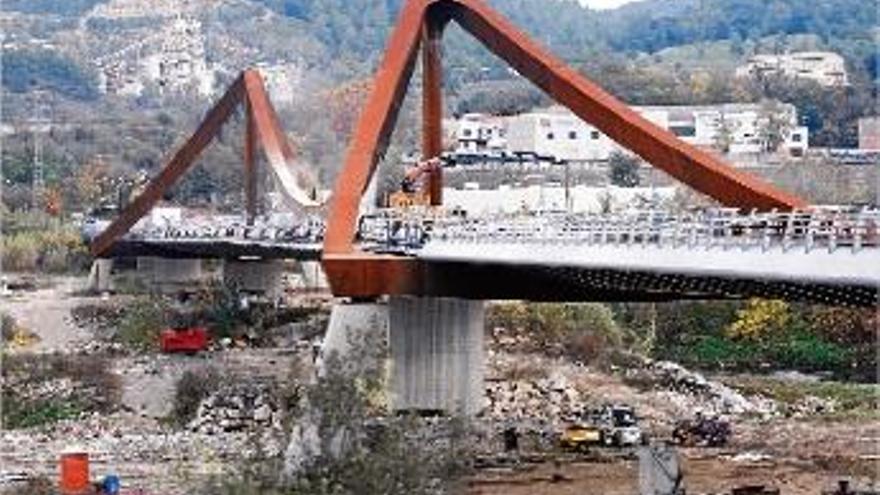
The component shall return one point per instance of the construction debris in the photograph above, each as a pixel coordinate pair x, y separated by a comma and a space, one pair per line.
238, 408
694, 391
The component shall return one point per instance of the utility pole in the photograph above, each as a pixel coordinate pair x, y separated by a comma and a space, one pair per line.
39, 124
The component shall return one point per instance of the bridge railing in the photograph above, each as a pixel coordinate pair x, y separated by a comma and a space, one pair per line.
722, 229
308, 232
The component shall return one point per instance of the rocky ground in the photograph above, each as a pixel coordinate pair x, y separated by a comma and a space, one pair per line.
800, 445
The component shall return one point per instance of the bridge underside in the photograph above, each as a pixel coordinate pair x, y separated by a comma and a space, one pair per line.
534, 282
213, 250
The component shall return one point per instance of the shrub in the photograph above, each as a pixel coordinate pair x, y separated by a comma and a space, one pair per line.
33, 486
8, 326
582, 331
844, 325
41, 389
142, 321
808, 352
220, 306
20, 252
192, 388
759, 319
50, 248
360, 452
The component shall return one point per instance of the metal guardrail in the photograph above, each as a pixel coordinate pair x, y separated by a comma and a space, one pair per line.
725, 229
722, 228
309, 232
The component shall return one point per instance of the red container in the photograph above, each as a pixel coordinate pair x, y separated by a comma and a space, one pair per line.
187, 340
74, 473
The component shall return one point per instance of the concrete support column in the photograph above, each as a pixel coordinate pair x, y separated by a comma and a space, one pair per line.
313, 276
437, 354
436, 349
100, 279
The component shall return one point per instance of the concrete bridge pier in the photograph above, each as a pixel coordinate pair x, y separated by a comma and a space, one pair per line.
437, 354
313, 276
100, 275
436, 357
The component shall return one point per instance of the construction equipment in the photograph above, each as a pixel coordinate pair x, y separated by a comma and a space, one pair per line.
579, 437
415, 188
702, 431
612, 425
619, 425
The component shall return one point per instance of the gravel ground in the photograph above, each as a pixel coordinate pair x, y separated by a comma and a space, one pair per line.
46, 312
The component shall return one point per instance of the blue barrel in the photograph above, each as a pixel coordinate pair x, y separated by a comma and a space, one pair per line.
111, 485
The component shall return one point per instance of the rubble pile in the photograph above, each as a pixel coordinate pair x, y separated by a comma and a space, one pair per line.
692, 391
238, 408
552, 400
133, 444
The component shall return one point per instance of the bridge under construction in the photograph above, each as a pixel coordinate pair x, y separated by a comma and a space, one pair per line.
437, 268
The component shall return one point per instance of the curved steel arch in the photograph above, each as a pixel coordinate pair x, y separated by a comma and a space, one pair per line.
262, 129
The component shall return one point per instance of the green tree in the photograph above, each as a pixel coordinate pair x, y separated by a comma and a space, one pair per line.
623, 170
774, 126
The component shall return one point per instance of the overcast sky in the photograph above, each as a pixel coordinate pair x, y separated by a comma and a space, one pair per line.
604, 4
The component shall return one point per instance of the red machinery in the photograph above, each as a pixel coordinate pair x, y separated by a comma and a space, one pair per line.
186, 340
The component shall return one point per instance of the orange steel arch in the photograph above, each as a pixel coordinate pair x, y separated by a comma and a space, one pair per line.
420, 25
262, 129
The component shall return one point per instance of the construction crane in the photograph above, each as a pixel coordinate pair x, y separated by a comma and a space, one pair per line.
415, 189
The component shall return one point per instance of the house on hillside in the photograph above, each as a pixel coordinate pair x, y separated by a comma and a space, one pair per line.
825, 68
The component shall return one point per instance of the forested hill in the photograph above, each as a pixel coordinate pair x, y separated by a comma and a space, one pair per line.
848, 26
362, 26
343, 39
652, 25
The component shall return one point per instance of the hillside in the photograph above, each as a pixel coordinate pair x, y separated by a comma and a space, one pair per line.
342, 39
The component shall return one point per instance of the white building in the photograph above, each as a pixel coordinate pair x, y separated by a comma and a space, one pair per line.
477, 133
557, 133
826, 68
735, 128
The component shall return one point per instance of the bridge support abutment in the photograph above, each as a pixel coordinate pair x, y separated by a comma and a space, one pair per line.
436, 358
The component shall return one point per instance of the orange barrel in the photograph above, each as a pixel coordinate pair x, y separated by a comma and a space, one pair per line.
74, 473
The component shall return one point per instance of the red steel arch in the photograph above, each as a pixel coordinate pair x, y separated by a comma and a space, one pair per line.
263, 129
